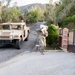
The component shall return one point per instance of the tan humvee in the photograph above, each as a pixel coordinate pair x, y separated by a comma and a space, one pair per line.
13, 33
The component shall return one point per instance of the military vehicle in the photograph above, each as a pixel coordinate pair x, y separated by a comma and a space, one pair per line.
13, 33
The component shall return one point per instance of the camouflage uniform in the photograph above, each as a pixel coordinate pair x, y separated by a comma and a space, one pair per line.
41, 39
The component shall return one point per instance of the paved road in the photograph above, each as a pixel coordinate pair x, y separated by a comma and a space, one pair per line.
8, 52
52, 63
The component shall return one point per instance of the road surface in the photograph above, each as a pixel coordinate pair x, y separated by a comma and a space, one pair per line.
52, 63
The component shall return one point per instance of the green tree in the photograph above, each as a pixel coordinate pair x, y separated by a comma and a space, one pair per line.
3, 7
10, 13
50, 13
0, 10
26, 13
7, 3
34, 14
7, 13
65, 12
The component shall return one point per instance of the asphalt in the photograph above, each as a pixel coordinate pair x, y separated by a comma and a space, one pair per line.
52, 63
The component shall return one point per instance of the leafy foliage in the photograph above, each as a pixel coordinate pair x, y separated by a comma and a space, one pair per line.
49, 13
10, 13
61, 12
67, 12
67, 20
34, 14
52, 35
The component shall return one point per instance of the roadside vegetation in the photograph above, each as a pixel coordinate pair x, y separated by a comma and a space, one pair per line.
62, 14
13, 14
8, 13
52, 36
34, 15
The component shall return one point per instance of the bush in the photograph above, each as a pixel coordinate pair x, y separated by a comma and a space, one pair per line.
52, 35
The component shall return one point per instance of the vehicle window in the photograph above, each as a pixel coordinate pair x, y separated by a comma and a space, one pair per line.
5, 27
16, 27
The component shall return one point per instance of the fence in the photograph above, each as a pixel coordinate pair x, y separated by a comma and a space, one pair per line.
66, 39
71, 43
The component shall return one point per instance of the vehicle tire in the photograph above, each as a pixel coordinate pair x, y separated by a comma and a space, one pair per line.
27, 37
18, 44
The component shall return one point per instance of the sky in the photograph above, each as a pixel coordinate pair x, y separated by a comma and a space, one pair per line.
25, 2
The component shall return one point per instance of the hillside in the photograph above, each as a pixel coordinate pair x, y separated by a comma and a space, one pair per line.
27, 7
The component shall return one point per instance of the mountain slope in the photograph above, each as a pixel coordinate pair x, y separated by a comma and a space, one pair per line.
22, 9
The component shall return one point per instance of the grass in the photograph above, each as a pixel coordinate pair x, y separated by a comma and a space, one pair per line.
52, 47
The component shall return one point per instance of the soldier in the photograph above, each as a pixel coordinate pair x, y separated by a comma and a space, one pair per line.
41, 38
